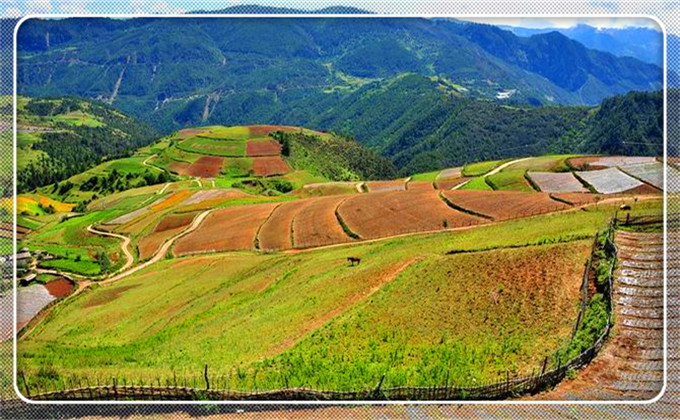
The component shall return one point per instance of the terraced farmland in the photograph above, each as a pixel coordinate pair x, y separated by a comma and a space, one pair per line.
384, 186
393, 213
316, 223
557, 182
503, 205
609, 181
228, 229
651, 173
269, 165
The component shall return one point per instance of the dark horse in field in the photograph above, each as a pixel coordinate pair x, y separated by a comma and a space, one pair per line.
353, 260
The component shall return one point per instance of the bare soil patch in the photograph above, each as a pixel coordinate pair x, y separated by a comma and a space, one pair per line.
228, 229
503, 205
264, 130
206, 167
397, 212
59, 287
276, 232
269, 166
257, 148
316, 223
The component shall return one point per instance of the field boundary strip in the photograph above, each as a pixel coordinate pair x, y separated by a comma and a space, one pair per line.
463, 209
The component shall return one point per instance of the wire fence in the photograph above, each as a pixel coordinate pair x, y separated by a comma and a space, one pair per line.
204, 388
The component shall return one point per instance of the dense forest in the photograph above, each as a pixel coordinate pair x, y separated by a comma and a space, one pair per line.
73, 135
421, 124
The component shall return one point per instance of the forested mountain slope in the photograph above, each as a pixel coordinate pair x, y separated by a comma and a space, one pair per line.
178, 72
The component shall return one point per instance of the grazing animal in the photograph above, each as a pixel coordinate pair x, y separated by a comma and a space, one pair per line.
353, 260
624, 207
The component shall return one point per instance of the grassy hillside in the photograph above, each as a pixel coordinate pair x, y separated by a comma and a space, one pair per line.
61, 137
174, 317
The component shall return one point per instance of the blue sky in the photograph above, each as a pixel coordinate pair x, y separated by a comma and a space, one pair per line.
15, 8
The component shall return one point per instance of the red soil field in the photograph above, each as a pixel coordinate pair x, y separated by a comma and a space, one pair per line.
397, 212
577, 199
206, 167
447, 184
276, 232
502, 205
269, 165
149, 244
174, 221
585, 163
228, 229
262, 148
383, 186
207, 199
419, 186
264, 130
59, 287
179, 167
316, 224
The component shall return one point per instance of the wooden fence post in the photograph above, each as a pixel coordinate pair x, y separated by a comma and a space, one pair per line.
205, 373
23, 378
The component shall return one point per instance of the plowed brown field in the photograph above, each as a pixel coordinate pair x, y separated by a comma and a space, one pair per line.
276, 233
262, 148
269, 165
316, 224
502, 205
228, 229
586, 163
397, 212
179, 167
419, 186
168, 227
264, 130
383, 186
205, 167
447, 184
59, 287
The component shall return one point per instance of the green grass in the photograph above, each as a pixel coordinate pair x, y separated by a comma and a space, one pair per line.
237, 167
214, 147
232, 133
426, 176
86, 268
77, 118
509, 180
478, 183
255, 316
27, 222
549, 163
480, 168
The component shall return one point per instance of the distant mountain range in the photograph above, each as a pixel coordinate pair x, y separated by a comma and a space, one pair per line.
175, 72
645, 44
425, 93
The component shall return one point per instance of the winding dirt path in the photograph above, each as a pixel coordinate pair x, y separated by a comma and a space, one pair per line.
124, 246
